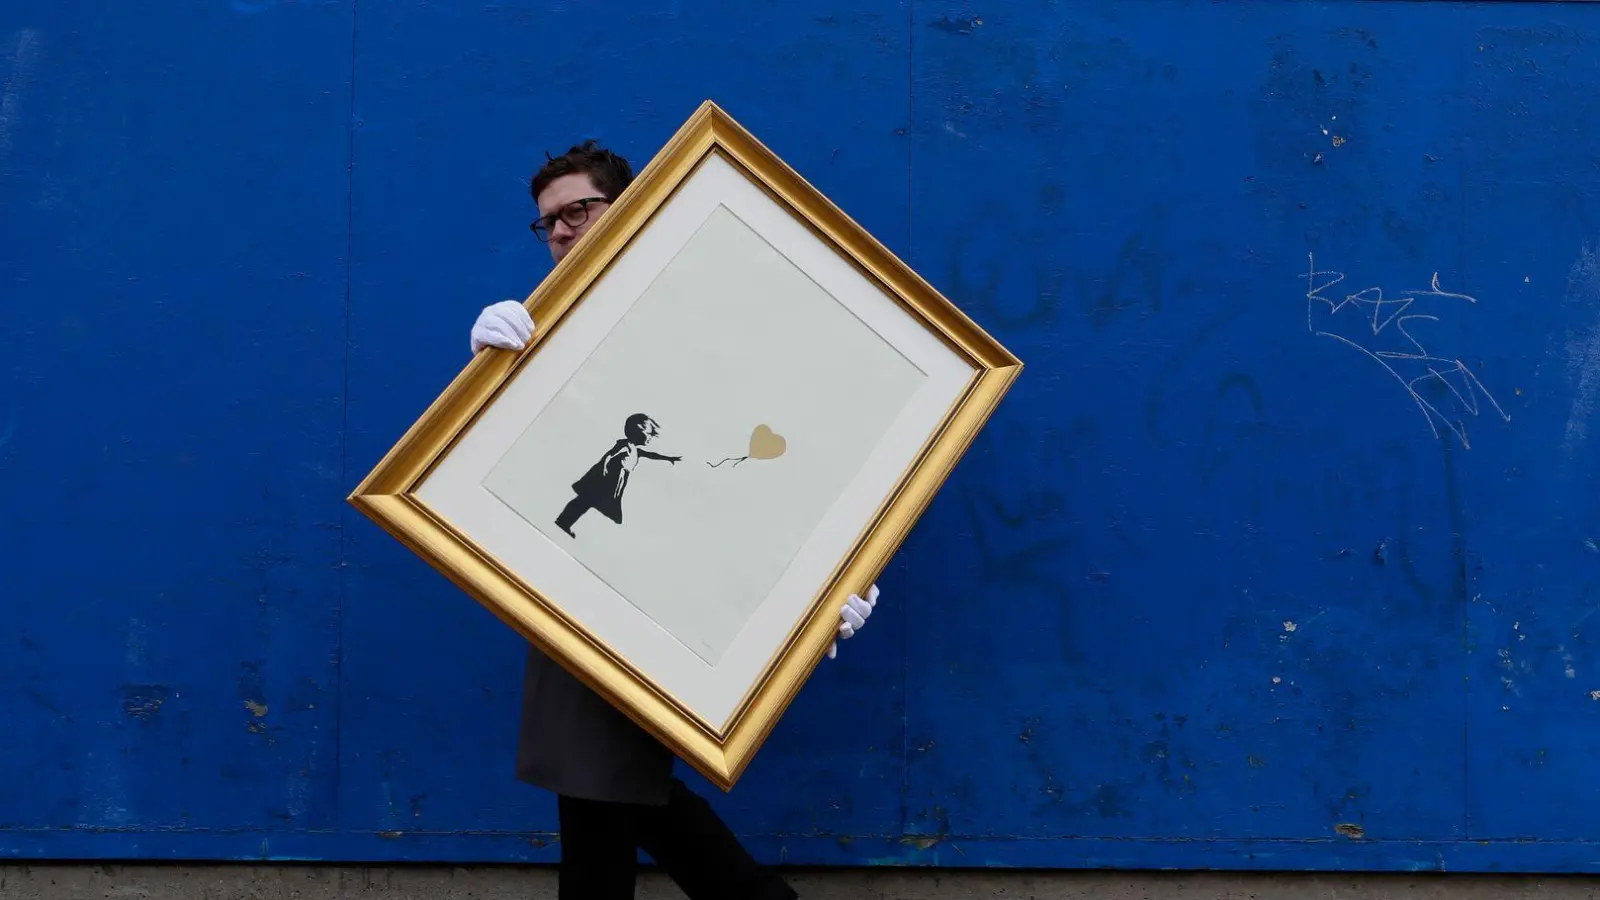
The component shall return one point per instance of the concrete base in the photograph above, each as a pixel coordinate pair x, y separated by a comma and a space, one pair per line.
299, 882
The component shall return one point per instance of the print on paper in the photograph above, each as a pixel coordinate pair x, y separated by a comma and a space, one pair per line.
771, 396
601, 488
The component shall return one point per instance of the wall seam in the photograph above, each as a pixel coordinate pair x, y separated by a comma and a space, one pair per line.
905, 620
344, 439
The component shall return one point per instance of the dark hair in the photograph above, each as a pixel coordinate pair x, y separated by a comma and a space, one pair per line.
634, 423
610, 173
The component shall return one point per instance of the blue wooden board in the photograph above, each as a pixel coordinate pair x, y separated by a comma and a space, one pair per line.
1222, 585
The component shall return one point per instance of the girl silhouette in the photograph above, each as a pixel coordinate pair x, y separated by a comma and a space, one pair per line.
601, 487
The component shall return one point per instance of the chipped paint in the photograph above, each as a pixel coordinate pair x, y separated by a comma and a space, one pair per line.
956, 25
144, 701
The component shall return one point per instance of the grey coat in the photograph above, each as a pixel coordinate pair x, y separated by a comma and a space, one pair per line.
573, 742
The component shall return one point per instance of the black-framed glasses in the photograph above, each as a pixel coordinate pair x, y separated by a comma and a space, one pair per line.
574, 214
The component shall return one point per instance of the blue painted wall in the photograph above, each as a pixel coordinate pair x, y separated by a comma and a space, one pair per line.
1221, 586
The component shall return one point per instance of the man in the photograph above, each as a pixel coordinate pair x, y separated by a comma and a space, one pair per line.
615, 787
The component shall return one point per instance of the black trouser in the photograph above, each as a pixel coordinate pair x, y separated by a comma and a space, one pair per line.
686, 838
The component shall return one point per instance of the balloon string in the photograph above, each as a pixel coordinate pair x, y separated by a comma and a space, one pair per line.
736, 459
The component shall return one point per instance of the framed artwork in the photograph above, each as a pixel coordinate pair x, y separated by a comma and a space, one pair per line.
734, 407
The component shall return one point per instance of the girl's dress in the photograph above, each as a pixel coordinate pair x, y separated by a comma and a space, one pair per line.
601, 487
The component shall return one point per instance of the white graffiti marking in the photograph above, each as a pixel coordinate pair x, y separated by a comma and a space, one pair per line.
1394, 319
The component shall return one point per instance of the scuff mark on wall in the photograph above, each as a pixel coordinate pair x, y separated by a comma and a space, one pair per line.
24, 53
1583, 351
105, 787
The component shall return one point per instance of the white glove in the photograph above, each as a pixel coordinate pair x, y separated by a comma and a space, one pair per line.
506, 325
853, 616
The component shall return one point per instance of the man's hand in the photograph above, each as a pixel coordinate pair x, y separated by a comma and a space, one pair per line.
506, 325
853, 616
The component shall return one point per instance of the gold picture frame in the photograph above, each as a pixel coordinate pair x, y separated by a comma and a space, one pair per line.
975, 372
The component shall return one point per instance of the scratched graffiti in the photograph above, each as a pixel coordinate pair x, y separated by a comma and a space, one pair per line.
1391, 321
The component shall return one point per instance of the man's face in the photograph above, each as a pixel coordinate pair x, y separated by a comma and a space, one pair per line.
556, 197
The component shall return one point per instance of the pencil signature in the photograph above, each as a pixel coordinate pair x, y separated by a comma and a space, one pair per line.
1389, 318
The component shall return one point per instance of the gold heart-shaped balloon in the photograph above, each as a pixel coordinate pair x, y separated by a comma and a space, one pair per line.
766, 444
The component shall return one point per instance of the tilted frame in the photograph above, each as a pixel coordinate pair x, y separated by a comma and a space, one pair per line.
388, 494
